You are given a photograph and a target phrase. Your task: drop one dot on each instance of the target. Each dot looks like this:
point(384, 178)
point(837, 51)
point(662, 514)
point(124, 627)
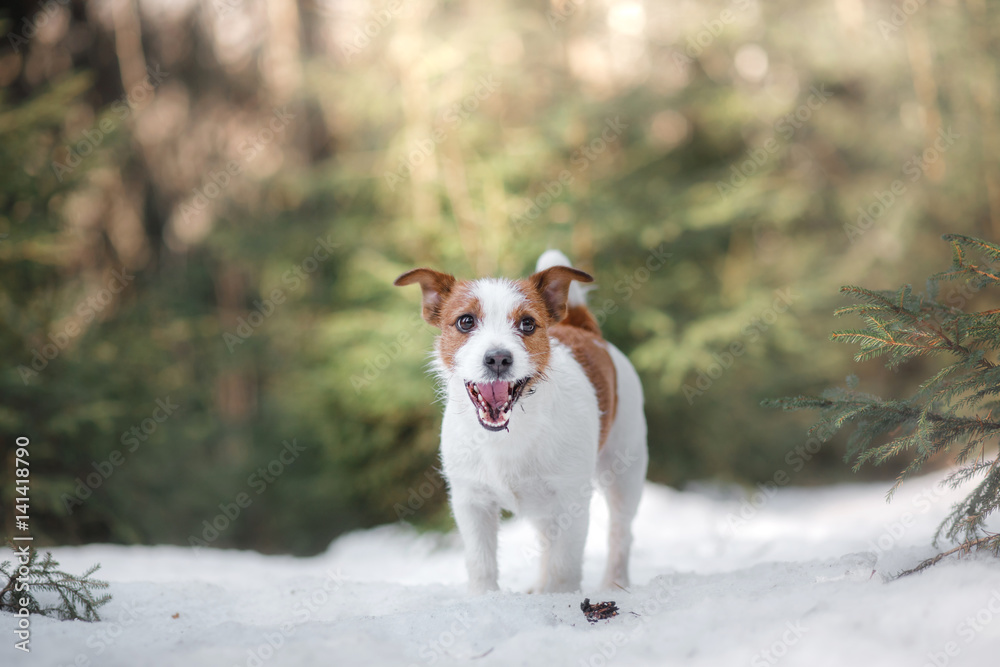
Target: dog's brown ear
point(435, 287)
point(553, 286)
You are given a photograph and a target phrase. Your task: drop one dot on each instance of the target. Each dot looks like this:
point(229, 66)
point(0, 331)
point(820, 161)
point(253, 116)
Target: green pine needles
point(77, 597)
point(952, 411)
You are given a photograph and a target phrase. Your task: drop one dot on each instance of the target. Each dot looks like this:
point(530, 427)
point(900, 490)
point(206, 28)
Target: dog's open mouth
point(494, 401)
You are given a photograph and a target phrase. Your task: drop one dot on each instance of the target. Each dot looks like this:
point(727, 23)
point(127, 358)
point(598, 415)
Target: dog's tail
point(550, 258)
point(576, 312)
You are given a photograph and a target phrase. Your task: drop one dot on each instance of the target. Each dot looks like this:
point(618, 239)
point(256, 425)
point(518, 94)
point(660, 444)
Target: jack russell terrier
point(532, 344)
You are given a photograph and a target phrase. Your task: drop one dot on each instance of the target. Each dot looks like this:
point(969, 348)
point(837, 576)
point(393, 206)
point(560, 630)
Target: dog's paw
point(555, 586)
point(539, 587)
point(482, 587)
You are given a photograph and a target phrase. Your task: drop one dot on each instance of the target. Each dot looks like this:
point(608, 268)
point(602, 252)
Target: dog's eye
point(465, 323)
point(527, 325)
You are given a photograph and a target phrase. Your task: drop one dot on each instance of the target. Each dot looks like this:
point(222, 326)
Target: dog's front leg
point(565, 535)
point(478, 521)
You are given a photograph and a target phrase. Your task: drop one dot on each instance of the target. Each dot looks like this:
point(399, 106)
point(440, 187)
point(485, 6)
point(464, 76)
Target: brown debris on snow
point(599, 611)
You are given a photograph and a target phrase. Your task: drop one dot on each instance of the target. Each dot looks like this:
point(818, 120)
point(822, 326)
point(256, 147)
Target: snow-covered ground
point(803, 579)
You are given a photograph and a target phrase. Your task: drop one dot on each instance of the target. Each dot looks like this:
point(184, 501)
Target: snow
point(803, 578)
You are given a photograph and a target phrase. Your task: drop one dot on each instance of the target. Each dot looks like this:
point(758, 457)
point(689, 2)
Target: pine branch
point(11, 582)
point(76, 593)
point(989, 542)
point(952, 411)
point(962, 475)
point(878, 301)
point(896, 409)
point(958, 240)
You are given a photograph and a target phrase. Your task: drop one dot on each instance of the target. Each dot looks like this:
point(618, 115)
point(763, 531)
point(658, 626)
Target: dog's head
point(494, 334)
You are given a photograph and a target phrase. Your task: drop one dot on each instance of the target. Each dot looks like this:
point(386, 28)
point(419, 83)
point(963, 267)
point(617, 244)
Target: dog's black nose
point(498, 361)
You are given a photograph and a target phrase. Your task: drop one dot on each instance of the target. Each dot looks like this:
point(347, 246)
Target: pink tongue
point(494, 393)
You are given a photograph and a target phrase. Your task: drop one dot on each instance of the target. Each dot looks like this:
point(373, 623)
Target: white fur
point(495, 330)
point(544, 467)
point(621, 468)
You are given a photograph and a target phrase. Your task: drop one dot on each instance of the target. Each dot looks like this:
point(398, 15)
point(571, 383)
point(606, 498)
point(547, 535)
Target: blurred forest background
point(203, 206)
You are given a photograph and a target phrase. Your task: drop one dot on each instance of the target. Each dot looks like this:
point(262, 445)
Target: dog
point(538, 407)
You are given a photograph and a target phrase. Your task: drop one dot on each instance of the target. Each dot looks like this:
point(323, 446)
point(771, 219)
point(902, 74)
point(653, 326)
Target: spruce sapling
point(951, 411)
point(77, 597)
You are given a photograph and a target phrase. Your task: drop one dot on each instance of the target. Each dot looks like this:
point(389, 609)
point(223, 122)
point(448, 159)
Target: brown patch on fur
point(590, 352)
point(580, 317)
point(547, 291)
point(537, 343)
point(460, 301)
